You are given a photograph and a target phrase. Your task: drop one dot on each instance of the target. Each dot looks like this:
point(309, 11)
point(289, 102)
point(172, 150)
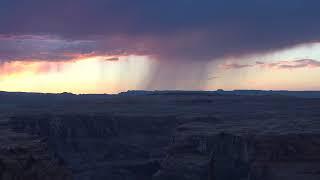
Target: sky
point(109, 46)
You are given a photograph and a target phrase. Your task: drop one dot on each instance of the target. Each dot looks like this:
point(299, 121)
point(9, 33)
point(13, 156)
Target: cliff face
point(108, 147)
point(162, 137)
point(204, 154)
point(103, 146)
point(23, 157)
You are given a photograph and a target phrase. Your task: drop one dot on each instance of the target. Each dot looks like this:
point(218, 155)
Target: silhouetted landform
point(160, 135)
point(24, 157)
point(304, 94)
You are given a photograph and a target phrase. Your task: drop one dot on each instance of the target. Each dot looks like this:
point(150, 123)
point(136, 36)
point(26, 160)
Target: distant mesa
point(67, 94)
point(302, 94)
point(136, 92)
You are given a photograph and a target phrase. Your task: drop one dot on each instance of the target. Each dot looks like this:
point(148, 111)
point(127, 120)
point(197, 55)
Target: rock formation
point(26, 158)
point(170, 136)
point(200, 154)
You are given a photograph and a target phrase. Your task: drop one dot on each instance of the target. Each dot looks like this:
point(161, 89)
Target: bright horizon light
point(102, 74)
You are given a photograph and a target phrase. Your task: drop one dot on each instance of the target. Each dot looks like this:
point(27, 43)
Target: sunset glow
point(113, 46)
point(103, 74)
point(91, 75)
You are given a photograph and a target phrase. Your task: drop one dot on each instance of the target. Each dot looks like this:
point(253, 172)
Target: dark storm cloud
point(30, 47)
point(167, 29)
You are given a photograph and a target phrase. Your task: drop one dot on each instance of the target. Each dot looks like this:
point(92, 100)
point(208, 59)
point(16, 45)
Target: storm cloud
point(169, 30)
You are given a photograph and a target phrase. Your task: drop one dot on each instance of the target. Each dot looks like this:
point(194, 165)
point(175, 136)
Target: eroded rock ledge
point(197, 153)
point(23, 157)
point(103, 146)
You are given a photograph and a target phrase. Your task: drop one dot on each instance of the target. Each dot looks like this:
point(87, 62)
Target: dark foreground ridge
point(160, 135)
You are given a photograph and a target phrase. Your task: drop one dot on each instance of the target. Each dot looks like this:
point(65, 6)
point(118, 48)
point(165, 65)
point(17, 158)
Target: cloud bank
point(232, 65)
point(182, 36)
point(296, 64)
point(170, 30)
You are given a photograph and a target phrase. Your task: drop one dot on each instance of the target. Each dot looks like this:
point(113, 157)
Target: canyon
point(169, 135)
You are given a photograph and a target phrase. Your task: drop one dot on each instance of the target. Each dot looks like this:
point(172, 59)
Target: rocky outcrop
point(134, 148)
point(102, 146)
point(199, 154)
point(285, 157)
point(142, 148)
point(168, 136)
point(25, 158)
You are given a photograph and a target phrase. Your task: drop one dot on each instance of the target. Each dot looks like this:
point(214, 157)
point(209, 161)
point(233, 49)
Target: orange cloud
point(113, 59)
point(18, 67)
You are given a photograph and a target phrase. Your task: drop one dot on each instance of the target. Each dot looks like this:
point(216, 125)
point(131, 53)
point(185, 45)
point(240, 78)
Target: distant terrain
point(161, 135)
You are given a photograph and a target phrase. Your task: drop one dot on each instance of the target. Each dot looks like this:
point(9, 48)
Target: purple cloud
point(168, 30)
point(296, 64)
point(233, 65)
